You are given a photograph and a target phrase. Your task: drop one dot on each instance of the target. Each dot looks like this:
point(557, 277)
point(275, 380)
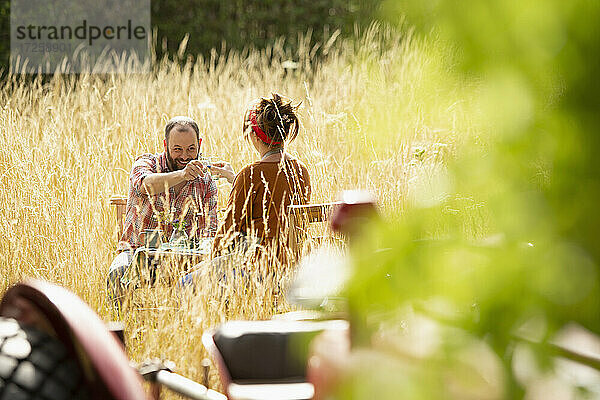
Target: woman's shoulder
point(247, 173)
point(249, 169)
point(297, 163)
point(259, 166)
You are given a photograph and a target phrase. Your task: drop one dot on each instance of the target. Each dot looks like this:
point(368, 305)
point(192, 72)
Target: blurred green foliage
point(537, 174)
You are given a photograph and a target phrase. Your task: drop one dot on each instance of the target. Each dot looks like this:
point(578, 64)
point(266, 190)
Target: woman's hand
point(223, 169)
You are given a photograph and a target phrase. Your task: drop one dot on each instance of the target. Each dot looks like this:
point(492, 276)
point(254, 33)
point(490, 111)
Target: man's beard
point(174, 164)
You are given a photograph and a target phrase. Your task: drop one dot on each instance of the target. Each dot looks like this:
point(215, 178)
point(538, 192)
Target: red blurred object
point(99, 353)
point(356, 208)
point(330, 354)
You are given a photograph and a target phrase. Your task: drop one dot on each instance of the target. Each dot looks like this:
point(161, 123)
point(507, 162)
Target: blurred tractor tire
point(34, 365)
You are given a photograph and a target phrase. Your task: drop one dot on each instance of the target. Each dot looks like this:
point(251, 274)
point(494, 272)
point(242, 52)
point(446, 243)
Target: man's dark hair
point(181, 124)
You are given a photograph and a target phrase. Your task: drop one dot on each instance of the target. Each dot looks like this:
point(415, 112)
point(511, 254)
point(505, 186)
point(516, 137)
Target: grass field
point(372, 118)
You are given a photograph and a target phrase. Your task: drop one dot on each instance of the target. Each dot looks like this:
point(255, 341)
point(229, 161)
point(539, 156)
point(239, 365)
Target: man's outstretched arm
point(159, 182)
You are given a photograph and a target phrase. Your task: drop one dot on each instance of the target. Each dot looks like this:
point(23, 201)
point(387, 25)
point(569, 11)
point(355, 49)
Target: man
point(166, 189)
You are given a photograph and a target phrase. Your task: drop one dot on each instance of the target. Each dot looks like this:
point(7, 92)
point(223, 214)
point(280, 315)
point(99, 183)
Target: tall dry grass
point(67, 145)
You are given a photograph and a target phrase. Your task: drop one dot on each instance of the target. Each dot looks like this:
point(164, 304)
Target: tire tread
point(46, 372)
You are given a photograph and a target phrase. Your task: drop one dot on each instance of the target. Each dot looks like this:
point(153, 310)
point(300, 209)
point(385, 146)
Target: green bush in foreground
point(537, 178)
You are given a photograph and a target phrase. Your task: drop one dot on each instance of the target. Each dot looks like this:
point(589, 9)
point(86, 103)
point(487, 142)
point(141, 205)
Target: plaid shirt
point(196, 200)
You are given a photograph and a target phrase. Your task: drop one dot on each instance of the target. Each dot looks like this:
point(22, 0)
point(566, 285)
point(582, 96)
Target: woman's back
point(261, 194)
point(262, 191)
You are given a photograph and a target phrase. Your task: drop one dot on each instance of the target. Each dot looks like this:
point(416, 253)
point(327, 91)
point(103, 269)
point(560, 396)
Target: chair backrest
point(119, 202)
point(299, 218)
point(265, 359)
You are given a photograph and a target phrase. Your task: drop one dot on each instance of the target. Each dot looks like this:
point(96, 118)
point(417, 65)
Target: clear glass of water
point(207, 163)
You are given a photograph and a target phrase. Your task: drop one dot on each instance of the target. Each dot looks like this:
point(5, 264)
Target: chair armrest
point(312, 212)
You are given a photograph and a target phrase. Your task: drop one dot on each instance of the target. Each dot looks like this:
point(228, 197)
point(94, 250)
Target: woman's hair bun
point(277, 118)
point(270, 113)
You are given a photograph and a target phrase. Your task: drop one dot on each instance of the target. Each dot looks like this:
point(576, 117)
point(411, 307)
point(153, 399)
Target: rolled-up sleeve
point(143, 166)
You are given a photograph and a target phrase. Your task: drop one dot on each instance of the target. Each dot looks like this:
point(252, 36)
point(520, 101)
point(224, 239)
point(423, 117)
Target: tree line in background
point(238, 23)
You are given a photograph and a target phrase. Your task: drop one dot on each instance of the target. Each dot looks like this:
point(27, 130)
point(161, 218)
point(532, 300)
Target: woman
point(263, 190)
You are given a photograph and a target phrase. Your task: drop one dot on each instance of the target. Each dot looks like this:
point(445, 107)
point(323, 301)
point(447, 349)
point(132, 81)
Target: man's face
point(182, 147)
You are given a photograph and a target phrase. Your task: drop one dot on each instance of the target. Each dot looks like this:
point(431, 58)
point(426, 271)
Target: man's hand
point(193, 169)
point(160, 181)
point(223, 169)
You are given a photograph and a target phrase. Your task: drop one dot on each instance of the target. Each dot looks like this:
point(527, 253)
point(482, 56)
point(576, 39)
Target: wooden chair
point(299, 219)
point(119, 202)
